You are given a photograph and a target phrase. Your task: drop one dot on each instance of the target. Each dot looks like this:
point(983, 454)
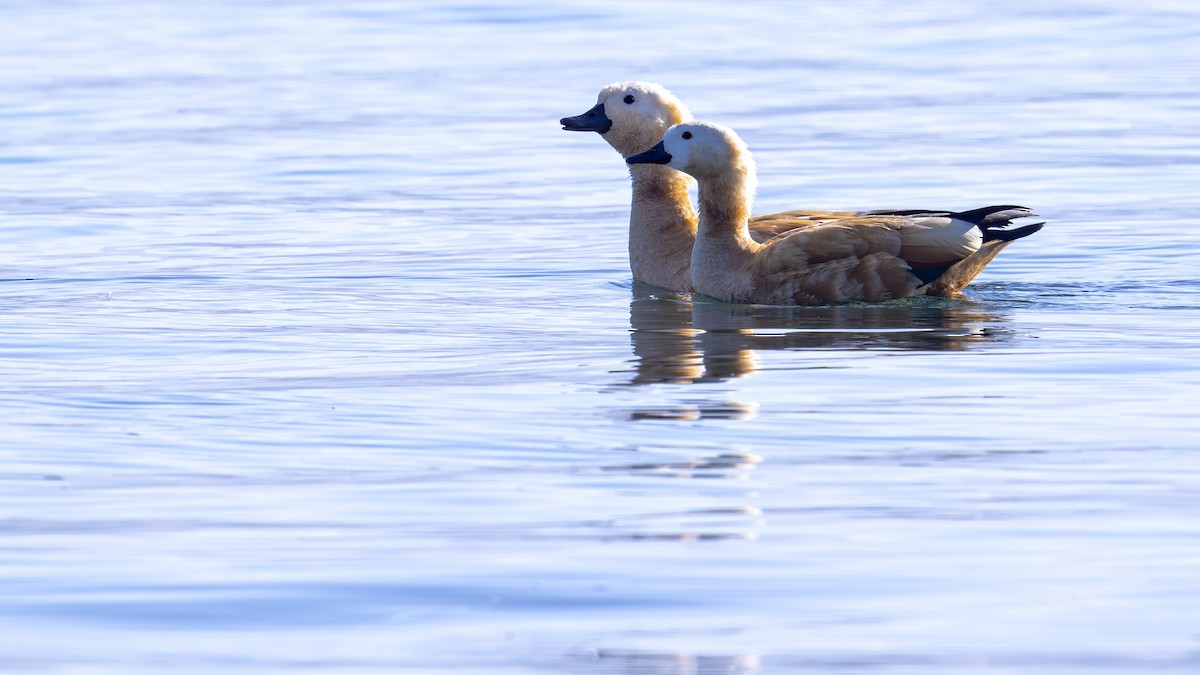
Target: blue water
point(319, 350)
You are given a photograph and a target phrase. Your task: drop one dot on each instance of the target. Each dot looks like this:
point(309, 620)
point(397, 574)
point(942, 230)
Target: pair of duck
point(801, 257)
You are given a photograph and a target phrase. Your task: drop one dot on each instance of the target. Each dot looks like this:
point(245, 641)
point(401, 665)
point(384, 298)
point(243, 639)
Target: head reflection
point(681, 341)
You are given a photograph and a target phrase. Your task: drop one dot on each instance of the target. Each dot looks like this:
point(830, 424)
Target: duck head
point(702, 150)
point(631, 116)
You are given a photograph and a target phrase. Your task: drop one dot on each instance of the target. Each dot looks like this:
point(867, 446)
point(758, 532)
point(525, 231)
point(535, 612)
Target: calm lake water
point(319, 351)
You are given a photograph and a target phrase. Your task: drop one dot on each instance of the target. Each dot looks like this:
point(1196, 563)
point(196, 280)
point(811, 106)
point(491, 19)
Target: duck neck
point(725, 203)
point(662, 228)
point(723, 240)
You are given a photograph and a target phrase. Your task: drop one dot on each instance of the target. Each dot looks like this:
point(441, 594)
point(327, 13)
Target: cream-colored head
point(631, 116)
point(706, 151)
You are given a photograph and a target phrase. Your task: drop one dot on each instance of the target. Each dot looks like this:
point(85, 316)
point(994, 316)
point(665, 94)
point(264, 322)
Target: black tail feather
point(1012, 234)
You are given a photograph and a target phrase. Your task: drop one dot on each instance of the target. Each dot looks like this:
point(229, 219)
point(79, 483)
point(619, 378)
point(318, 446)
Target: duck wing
point(770, 225)
point(849, 259)
point(992, 221)
point(837, 256)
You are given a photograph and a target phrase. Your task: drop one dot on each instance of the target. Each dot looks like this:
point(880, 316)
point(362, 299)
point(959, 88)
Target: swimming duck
point(633, 116)
point(868, 257)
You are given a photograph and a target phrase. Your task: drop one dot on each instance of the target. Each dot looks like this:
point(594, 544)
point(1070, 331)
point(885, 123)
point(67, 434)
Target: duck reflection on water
point(680, 340)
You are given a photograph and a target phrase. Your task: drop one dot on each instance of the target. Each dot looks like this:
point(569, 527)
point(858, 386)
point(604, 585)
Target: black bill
point(592, 120)
point(656, 155)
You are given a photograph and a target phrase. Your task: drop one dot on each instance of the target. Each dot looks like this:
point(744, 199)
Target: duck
point(868, 257)
point(632, 116)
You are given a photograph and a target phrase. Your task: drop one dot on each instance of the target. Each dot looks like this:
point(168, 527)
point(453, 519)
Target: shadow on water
point(678, 340)
point(635, 662)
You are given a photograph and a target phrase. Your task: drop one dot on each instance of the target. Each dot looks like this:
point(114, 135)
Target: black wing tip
point(987, 216)
point(994, 215)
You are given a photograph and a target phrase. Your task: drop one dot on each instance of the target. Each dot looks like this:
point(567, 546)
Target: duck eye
point(629, 99)
point(687, 135)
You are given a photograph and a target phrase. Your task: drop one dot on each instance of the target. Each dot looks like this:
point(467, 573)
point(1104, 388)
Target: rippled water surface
point(319, 350)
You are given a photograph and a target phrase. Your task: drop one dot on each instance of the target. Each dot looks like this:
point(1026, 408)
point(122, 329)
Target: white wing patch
point(938, 240)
